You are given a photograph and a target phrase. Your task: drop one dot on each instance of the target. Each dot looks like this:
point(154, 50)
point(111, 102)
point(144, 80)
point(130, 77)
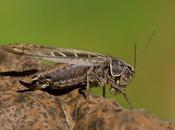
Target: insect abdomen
point(67, 75)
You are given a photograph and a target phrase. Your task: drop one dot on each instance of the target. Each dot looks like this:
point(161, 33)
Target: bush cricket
point(82, 68)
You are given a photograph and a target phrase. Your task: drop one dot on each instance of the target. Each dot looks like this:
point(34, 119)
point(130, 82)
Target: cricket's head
point(121, 74)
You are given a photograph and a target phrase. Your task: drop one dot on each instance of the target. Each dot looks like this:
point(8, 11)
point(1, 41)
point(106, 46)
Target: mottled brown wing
point(60, 55)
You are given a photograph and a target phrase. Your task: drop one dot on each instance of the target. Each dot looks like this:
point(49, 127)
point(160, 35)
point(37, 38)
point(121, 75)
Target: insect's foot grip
point(104, 92)
point(84, 92)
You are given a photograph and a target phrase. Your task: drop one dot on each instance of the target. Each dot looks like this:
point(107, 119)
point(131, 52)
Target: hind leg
point(37, 83)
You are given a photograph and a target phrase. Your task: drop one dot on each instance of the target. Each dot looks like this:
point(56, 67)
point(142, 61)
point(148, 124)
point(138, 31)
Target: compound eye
point(117, 67)
point(128, 73)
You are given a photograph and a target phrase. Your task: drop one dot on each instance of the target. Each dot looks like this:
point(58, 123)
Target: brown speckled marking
point(40, 110)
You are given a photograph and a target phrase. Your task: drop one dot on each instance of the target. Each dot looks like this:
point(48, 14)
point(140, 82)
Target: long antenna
point(146, 45)
point(148, 41)
point(135, 56)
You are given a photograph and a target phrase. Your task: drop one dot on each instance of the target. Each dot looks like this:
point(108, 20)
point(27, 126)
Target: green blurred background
point(111, 27)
